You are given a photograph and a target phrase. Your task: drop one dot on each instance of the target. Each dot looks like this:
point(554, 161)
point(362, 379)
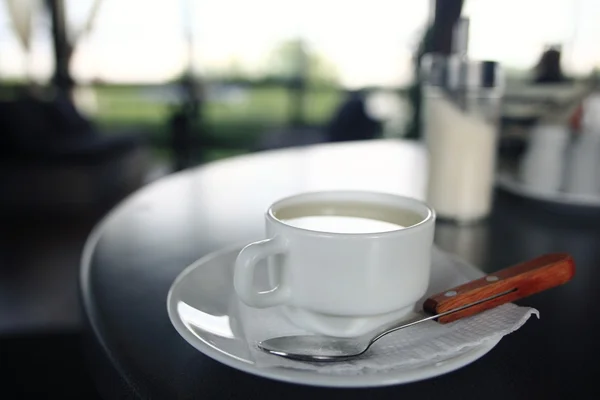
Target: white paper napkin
point(409, 348)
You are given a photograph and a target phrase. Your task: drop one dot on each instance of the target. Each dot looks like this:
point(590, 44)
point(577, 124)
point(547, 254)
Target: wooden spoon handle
point(515, 282)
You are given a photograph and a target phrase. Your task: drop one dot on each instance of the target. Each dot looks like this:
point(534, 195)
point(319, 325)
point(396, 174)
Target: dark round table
point(134, 255)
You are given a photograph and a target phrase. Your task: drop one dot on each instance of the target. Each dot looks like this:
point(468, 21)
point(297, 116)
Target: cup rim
point(408, 201)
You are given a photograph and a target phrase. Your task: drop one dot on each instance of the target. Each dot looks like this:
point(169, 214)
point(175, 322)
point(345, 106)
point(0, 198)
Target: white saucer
point(202, 306)
point(509, 182)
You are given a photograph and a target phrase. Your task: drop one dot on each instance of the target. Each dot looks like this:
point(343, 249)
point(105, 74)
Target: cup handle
point(243, 277)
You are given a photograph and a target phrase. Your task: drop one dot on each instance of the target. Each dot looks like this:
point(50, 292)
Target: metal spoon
point(504, 286)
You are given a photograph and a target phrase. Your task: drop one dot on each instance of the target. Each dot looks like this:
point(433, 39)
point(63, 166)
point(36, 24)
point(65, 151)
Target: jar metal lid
point(456, 72)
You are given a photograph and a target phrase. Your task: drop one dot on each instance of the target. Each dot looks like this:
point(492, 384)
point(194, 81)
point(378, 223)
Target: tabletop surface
point(133, 256)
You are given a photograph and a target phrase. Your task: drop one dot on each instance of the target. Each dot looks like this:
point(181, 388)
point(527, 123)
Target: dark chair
point(53, 158)
point(352, 122)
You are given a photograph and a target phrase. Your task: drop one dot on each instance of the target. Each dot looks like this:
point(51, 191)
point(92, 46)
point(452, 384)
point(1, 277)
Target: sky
point(369, 42)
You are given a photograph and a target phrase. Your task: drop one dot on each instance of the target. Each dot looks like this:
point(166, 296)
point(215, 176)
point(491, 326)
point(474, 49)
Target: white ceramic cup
point(341, 284)
point(543, 163)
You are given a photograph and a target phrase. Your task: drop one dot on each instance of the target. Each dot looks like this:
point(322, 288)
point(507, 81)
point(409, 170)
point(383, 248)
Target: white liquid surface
point(340, 224)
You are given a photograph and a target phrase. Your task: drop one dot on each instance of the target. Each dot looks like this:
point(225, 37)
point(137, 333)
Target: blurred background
point(101, 97)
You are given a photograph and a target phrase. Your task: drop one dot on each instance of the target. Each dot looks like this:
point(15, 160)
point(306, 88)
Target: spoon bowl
point(315, 348)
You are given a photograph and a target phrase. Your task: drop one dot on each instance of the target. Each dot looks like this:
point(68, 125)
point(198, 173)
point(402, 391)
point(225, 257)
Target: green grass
point(236, 124)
